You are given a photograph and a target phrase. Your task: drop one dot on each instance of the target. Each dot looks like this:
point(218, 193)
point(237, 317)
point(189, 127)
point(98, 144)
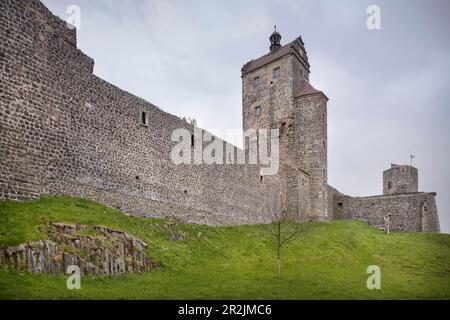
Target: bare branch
point(285, 225)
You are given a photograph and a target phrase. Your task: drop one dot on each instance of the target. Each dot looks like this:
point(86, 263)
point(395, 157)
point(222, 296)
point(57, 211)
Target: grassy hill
point(328, 261)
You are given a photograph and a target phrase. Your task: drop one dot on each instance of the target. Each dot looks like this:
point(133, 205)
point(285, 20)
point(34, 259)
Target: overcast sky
point(388, 89)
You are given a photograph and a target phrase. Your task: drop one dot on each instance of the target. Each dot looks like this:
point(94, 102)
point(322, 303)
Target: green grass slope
point(328, 261)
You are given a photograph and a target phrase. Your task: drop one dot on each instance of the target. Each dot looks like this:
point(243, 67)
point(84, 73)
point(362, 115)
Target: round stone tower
point(400, 179)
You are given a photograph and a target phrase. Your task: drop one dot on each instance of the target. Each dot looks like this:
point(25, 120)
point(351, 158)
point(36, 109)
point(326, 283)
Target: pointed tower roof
point(275, 40)
point(305, 88)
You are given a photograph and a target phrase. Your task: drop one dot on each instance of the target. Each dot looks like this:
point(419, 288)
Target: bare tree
point(285, 227)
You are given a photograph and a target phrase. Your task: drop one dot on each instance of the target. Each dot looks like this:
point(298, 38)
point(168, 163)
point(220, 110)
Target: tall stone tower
point(400, 179)
point(276, 93)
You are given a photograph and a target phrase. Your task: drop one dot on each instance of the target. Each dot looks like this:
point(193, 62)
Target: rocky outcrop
point(95, 250)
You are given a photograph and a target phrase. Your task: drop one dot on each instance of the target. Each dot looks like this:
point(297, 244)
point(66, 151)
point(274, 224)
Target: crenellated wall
point(400, 179)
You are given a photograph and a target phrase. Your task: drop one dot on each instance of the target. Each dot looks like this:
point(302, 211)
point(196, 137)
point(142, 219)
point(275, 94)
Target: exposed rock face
point(108, 252)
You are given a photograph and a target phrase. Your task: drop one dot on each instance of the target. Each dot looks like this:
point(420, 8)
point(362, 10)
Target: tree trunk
point(279, 253)
point(278, 264)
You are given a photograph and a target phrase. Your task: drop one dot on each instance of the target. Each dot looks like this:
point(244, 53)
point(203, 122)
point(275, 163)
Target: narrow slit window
point(144, 118)
point(258, 111)
point(283, 128)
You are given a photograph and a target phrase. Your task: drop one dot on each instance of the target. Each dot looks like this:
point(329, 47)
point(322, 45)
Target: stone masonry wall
point(274, 95)
point(302, 125)
point(311, 141)
point(400, 179)
point(65, 131)
point(410, 212)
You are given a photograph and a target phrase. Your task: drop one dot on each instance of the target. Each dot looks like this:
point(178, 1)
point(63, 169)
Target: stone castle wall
point(65, 131)
point(311, 141)
point(409, 212)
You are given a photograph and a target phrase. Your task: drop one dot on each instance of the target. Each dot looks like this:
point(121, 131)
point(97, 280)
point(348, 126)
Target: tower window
point(192, 140)
point(256, 81)
point(144, 118)
point(389, 185)
point(258, 111)
point(301, 74)
point(276, 72)
point(260, 178)
point(283, 128)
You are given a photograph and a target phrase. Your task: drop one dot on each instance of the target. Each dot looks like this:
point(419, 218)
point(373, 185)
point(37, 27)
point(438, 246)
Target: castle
point(64, 131)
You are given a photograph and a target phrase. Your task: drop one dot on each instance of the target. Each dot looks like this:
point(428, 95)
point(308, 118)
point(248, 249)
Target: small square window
point(144, 118)
point(256, 81)
point(276, 72)
point(258, 111)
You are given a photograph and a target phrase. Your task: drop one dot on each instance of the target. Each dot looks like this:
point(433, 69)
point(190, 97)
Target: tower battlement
point(400, 179)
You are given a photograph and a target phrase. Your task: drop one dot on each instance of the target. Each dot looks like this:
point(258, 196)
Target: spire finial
point(275, 40)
